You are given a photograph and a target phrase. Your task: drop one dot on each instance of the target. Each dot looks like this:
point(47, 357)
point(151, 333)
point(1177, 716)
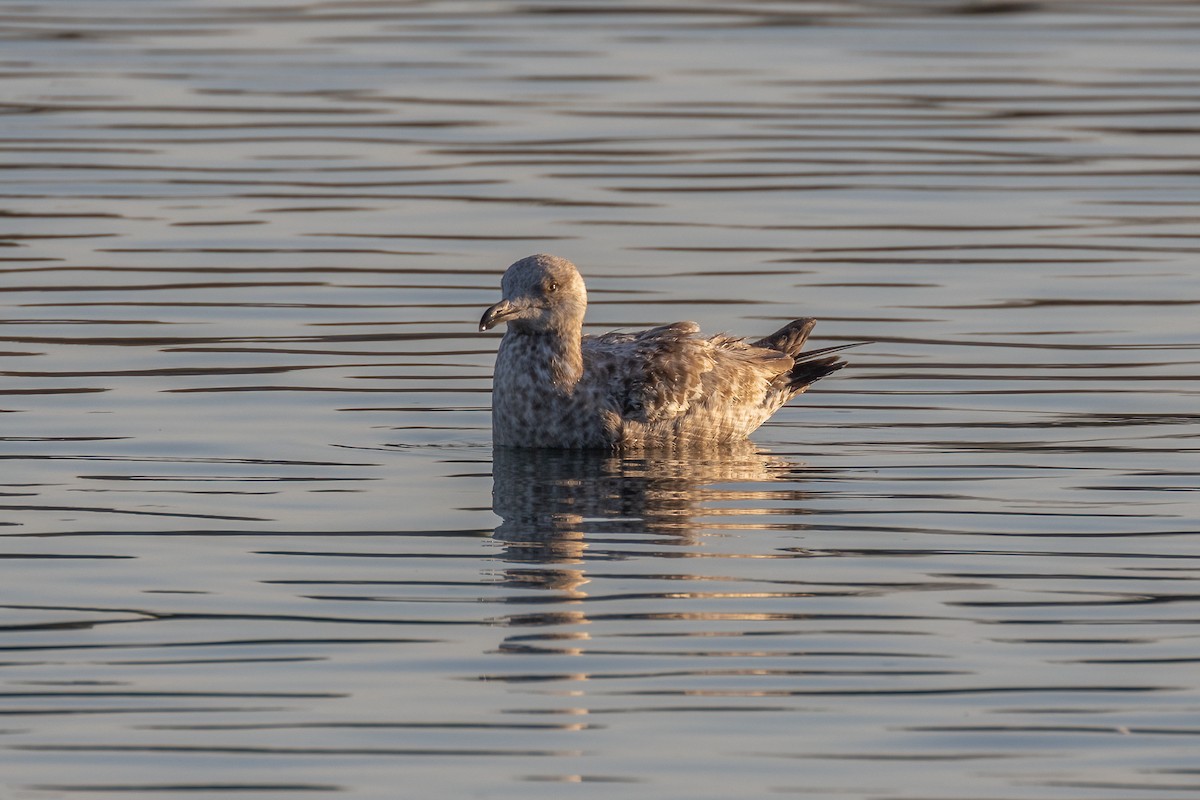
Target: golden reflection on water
point(553, 494)
point(554, 505)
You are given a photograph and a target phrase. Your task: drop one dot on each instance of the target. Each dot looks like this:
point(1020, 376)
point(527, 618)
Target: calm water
point(256, 541)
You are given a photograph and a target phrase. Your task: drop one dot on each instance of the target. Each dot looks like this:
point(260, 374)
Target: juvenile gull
point(555, 387)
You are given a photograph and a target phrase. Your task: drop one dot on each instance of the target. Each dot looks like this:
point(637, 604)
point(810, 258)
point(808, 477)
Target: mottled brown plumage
point(554, 387)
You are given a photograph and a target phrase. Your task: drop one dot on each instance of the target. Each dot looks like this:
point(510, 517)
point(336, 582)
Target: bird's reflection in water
point(556, 504)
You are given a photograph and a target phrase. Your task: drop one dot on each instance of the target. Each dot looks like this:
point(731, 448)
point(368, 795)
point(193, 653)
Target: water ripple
point(251, 515)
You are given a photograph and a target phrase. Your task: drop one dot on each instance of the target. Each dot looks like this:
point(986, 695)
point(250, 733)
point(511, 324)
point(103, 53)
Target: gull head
point(541, 294)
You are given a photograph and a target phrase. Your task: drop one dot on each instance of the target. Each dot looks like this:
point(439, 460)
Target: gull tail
point(809, 367)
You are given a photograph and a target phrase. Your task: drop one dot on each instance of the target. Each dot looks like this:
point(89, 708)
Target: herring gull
point(553, 387)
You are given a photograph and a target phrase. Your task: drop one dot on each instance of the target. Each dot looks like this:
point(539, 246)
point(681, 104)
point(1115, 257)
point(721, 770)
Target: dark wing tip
point(810, 367)
point(825, 351)
point(806, 373)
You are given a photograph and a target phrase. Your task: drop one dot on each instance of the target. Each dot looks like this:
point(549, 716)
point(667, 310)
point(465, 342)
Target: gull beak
point(498, 313)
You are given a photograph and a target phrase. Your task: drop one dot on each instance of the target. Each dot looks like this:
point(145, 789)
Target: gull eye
point(551, 287)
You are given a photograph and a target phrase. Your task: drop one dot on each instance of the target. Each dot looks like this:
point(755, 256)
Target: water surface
point(255, 538)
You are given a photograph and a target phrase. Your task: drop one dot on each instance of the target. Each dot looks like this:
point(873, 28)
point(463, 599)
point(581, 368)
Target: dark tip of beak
point(497, 314)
